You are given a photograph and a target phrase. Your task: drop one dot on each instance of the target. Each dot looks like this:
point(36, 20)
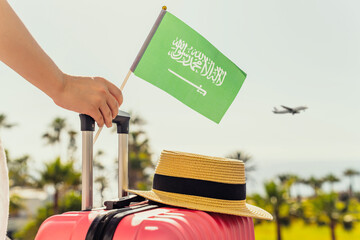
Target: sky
point(294, 53)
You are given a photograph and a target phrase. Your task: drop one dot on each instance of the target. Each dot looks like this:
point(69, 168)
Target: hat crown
point(203, 183)
point(195, 166)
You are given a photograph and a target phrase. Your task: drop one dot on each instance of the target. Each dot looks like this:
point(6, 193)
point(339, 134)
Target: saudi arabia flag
point(178, 60)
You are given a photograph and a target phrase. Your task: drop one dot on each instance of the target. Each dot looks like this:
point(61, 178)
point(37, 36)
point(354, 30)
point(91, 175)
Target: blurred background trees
point(330, 209)
point(139, 155)
point(100, 174)
point(282, 196)
point(60, 178)
point(351, 174)
point(4, 124)
point(250, 166)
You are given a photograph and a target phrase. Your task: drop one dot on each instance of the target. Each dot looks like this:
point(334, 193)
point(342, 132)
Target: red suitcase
point(160, 224)
point(142, 220)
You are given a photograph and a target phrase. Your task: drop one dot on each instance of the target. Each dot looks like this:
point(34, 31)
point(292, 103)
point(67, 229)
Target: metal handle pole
point(87, 170)
point(122, 165)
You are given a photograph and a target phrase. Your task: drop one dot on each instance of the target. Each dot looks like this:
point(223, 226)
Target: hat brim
point(239, 208)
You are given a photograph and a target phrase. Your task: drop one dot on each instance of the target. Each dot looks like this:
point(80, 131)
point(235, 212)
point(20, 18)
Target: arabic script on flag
point(197, 61)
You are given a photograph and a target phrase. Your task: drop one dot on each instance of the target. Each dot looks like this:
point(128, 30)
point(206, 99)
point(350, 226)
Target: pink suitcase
point(130, 217)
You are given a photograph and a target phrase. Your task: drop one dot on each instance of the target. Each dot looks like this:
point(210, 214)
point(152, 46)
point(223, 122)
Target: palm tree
point(276, 198)
point(284, 178)
point(16, 204)
point(331, 178)
point(326, 207)
point(351, 173)
point(103, 184)
point(315, 184)
point(136, 120)
point(100, 179)
point(19, 171)
point(247, 159)
point(139, 154)
point(4, 123)
point(59, 175)
point(139, 159)
point(297, 181)
point(97, 163)
point(54, 133)
point(72, 147)
point(287, 180)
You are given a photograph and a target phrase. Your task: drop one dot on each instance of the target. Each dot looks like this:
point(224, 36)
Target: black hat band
point(202, 188)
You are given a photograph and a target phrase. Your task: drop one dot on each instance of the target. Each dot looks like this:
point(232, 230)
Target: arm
point(96, 97)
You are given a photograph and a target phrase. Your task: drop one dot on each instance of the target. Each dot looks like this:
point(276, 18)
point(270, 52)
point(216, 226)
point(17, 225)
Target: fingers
point(107, 103)
point(107, 114)
point(113, 105)
point(98, 117)
point(103, 115)
point(116, 92)
point(94, 96)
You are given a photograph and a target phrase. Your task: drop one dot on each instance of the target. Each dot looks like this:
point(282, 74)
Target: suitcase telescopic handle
point(87, 128)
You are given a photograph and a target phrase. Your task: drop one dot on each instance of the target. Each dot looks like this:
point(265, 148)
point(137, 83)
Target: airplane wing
point(280, 112)
point(287, 108)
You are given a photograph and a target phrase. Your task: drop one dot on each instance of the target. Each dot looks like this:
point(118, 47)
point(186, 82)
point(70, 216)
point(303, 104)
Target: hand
point(95, 97)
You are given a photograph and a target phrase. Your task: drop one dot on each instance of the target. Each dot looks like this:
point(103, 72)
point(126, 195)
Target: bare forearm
point(96, 97)
point(20, 51)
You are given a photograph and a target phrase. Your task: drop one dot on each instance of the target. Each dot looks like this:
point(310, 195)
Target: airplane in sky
point(289, 110)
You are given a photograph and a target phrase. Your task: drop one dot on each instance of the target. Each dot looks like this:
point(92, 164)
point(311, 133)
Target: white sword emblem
point(199, 89)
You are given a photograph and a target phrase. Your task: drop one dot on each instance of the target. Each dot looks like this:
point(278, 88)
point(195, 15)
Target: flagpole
point(121, 88)
point(139, 56)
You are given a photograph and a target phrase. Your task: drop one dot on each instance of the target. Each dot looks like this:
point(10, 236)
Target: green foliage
point(100, 179)
point(354, 209)
point(322, 209)
point(276, 194)
point(139, 155)
point(276, 197)
point(351, 174)
point(331, 178)
point(52, 136)
point(70, 202)
point(4, 123)
point(30, 229)
point(59, 175)
point(326, 207)
point(19, 171)
point(56, 173)
point(16, 204)
point(103, 184)
point(302, 231)
point(63, 177)
point(72, 147)
point(259, 201)
point(140, 158)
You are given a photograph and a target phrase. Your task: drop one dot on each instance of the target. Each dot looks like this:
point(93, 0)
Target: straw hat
point(203, 183)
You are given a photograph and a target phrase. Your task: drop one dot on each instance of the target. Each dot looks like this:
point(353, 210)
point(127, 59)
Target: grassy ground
point(300, 231)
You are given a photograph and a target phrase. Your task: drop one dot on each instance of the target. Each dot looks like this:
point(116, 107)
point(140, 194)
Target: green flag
point(180, 61)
